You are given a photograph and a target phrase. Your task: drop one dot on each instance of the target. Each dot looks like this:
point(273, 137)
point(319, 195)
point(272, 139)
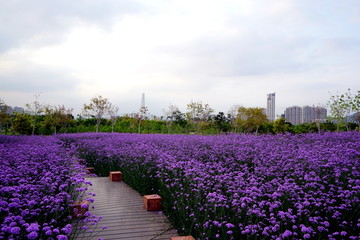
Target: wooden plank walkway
point(123, 213)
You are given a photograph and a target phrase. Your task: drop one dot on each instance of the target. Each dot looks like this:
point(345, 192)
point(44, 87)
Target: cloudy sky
point(218, 52)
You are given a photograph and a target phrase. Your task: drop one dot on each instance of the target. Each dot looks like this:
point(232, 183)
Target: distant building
point(320, 114)
point(143, 109)
point(306, 114)
point(18, 110)
point(12, 110)
point(293, 115)
point(142, 101)
point(270, 106)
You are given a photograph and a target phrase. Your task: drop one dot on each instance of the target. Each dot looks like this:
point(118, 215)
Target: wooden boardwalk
point(123, 213)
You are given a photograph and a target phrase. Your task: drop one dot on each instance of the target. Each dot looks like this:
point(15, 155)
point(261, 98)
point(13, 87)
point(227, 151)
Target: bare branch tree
point(112, 112)
point(35, 109)
point(171, 115)
point(98, 108)
point(319, 115)
point(341, 107)
point(232, 113)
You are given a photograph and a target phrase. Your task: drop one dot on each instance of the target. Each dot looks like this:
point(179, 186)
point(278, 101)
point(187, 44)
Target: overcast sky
point(218, 52)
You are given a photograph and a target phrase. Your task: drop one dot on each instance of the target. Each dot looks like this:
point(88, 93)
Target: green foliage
point(303, 128)
point(155, 126)
point(57, 117)
point(218, 124)
point(22, 124)
point(281, 126)
point(196, 121)
point(328, 126)
point(175, 120)
point(98, 108)
point(222, 122)
point(35, 109)
point(342, 105)
point(126, 124)
point(4, 115)
point(267, 128)
point(197, 111)
point(355, 102)
point(250, 119)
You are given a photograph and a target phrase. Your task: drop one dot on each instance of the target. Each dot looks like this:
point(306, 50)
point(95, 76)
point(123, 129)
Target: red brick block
point(90, 170)
point(81, 161)
point(152, 202)
point(182, 238)
point(80, 208)
point(115, 176)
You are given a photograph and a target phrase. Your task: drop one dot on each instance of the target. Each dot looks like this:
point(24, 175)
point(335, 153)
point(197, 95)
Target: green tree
point(267, 128)
point(23, 123)
point(4, 115)
point(355, 102)
point(342, 105)
point(141, 116)
point(197, 113)
point(222, 122)
point(58, 116)
point(250, 119)
point(173, 115)
point(180, 119)
point(281, 126)
point(98, 108)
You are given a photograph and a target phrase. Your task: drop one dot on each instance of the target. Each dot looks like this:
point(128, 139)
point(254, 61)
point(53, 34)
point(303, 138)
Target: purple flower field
point(213, 187)
point(241, 186)
point(39, 181)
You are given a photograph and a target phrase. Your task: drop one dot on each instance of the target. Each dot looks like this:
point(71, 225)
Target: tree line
point(100, 115)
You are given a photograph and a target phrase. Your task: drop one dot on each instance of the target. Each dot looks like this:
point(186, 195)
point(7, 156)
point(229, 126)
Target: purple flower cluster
point(242, 186)
point(38, 179)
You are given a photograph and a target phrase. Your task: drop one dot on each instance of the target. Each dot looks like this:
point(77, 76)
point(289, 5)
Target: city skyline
point(269, 111)
point(305, 114)
point(219, 52)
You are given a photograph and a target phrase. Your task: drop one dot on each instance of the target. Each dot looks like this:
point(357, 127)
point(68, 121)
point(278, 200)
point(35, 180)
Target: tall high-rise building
point(143, 109)
point(142, 101)
point(270, 106)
